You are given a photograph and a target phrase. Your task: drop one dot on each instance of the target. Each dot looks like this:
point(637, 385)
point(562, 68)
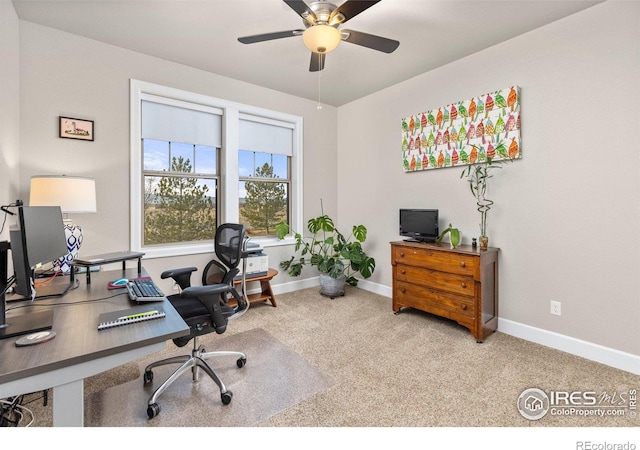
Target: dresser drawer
point(458, 284)
point(429, 258)
point(456, 307)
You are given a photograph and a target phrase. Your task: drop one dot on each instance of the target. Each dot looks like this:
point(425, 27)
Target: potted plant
point(454, 236)
point(478, 176)
point(337, 258)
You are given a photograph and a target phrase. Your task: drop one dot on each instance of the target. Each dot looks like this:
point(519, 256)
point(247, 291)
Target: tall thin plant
point(478, 176)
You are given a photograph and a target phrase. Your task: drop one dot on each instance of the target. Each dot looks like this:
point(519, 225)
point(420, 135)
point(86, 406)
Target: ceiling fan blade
point(300, 7)
point(317, 62)
point(352, 8)
point(369, 40)
point(269, 36)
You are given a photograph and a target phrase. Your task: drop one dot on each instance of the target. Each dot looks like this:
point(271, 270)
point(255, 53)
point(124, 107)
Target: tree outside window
point(264, 198)
point(179, 207)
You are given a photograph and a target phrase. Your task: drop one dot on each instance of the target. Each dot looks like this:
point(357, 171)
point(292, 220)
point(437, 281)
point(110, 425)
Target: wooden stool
point(265, 288)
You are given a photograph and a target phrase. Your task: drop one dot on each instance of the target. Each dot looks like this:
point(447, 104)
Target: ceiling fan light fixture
point(321, 38)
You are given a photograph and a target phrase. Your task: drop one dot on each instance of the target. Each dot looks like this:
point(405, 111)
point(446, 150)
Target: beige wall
point(567, 215)
point(64, 74)
point(9, 109)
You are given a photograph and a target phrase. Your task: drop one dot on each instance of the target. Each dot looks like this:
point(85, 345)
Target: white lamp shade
point(72, 194)
point(321, 38)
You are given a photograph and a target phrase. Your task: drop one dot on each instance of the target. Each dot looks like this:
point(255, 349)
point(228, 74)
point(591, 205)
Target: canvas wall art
point(466, 132)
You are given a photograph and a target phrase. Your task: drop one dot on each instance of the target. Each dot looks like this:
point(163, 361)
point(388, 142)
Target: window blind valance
point(266, 136)
point(176, 124)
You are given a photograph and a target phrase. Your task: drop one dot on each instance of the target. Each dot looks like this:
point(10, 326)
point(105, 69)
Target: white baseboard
point(588, 350)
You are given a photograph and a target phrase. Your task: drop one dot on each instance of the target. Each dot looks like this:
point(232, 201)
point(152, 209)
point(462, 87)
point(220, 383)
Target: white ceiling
point(203, 34)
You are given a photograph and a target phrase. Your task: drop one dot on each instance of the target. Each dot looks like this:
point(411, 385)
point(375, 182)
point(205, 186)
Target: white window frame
point(228, 207)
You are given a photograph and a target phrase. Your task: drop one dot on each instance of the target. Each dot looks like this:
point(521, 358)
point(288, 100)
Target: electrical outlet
point(556, 308)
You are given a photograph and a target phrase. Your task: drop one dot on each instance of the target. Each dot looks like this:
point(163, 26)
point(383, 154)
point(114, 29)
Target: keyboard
point(144, 290)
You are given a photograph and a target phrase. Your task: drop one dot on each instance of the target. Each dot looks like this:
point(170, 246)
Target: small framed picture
point(71, 128)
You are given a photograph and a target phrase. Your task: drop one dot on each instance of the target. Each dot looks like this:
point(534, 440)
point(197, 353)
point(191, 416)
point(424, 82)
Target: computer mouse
point(120, 282)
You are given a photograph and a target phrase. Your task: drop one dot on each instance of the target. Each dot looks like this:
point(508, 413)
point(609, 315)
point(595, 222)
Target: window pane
point(281, 166)
point(206, 161)
point(262, 205)
point(179, 209)
point(245, 163)
point(156, 154)
point(184, 151)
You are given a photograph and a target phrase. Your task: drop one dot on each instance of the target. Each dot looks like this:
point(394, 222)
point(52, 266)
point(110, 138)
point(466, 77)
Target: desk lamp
point(73, 195)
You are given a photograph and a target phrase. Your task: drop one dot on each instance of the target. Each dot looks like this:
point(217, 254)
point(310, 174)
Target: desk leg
point(68, 404)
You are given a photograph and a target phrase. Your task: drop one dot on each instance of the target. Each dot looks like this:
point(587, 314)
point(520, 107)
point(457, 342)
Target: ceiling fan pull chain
point(319, 104)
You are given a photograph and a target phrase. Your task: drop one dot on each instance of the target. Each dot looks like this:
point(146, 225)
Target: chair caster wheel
point(241, 362)
point(153, 410)
point(226, 397)
point(147, 377)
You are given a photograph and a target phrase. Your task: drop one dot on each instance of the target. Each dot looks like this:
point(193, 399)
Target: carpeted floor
point(366, 367)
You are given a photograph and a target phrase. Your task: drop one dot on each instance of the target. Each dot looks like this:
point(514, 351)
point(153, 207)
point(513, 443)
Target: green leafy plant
point(329, 250)
point(454, 236)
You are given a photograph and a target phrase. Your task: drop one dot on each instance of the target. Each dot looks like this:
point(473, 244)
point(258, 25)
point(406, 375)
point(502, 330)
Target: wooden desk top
point(75, 321)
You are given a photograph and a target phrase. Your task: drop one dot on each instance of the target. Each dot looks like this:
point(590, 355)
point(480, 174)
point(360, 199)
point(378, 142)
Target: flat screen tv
point(419, 225)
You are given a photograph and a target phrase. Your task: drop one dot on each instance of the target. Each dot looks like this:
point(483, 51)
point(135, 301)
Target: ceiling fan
point(321, 34)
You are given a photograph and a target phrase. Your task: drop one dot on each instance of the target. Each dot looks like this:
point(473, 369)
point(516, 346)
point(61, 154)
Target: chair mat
point(275, 378)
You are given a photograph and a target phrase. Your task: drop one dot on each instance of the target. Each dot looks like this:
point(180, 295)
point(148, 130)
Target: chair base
point(195, 362)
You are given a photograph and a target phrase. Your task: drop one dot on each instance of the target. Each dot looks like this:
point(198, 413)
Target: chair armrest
point(182, 276)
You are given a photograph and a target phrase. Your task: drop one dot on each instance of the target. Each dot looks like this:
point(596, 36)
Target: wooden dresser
point(460, 284)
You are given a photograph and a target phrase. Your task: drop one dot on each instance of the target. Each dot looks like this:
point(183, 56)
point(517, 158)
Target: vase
point(484, 242)
point(331, 287)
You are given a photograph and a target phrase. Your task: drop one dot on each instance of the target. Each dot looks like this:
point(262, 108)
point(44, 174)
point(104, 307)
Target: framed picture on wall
point(71, 128)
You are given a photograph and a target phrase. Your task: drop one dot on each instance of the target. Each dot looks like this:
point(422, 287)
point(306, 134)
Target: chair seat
point(191, 307)
point(196, 315)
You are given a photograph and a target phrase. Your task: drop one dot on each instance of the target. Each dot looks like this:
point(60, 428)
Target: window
point(264, 154)
point(180, 192)
point(197, 161)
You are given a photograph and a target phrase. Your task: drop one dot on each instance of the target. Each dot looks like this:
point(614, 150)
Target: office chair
point(205, 309)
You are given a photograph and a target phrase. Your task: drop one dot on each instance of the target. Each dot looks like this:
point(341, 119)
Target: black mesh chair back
point(228, 245)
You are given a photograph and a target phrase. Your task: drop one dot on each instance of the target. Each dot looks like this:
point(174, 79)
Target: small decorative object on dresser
point(459, 283)
point(455, 238)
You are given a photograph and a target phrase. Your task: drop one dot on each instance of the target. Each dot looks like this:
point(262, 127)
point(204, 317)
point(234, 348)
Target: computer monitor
point(38, 239)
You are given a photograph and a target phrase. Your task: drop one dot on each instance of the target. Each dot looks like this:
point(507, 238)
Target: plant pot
point(331, 287)
point(484, 242)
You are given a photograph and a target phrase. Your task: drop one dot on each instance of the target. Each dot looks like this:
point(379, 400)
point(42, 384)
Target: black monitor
point(39, 238)
point(419, 225)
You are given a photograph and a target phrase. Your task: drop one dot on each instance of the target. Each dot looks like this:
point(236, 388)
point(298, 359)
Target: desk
point(79, 350)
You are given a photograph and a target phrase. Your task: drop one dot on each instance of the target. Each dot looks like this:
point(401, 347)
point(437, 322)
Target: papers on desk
point(129, 316)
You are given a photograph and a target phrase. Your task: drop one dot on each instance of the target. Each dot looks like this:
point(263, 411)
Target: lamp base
point(73, 234)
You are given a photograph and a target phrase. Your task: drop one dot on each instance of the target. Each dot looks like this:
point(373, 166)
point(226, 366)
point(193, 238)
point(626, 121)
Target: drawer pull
point(464, 307)
point(463, 284)
point(403, 290)
point(401, 254)
point(462, 264)
point(403, 272)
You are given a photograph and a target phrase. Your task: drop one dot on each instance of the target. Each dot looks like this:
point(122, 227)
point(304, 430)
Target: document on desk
point(129, 316)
